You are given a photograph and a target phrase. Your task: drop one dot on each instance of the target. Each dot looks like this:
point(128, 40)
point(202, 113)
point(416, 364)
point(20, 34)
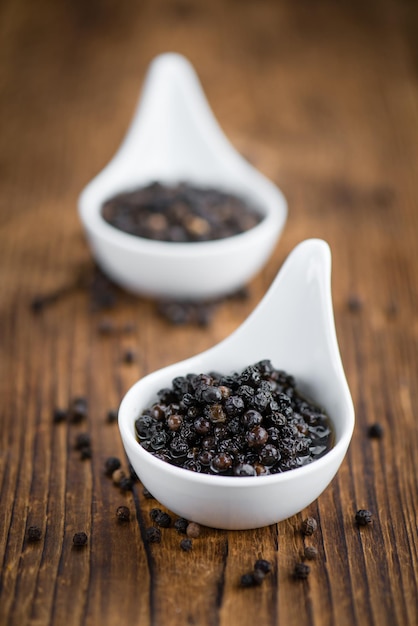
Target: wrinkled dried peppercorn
point(153, 534)
point(34, 533)
point(123, 514)
point(126, 483)
point(80, 539)
point(309, 526)
point(181, 525)
point(160, 518)
point(263, 565)
point(363, 517)
point(186, 545)
point(251, 423)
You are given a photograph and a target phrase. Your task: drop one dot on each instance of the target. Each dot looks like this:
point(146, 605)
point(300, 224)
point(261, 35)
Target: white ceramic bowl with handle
point(174, 137)
point(293, 326)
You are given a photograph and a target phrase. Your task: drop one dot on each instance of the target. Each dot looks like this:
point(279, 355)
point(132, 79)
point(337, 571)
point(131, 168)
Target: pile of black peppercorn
point(250, 423)
point(180, 213)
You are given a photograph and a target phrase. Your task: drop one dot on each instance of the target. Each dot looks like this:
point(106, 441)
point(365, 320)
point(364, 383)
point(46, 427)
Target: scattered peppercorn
point(80, 539)
point(111, 464)
point(301, 570)
point(123, 514)
point(129, 356)
point(82, 441)
point(126, 483)
point(193, 530)
point(248, 580)
point(310, 553)
point(34, 534)
point(186, 545)
point(78, 410)
point(363, 517)
point(59, 415)
point(263, 565)
point(309, 526)
point(153, 534)
point(249, 423)
point(163, 520)
point(160, 517)
point(112, 416)
point(181, 525)
point(375, 431)
point(118, 475)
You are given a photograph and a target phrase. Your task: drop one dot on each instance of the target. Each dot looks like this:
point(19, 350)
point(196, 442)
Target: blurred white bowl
point(173, 138)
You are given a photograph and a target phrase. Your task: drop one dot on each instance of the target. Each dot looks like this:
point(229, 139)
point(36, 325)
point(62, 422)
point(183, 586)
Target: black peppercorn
point(112, 416)
point(153, 534)
point(181, 525)
point(301, 570)
point(363, 517)
point(375, 431)
point(34, 533)
point(82, 441)
point(80, 539)
point(126, 484)
point(78, 410)
point(111, 464)
point(263, 565)
point(161, 518)
point(247, 580)
point(251, 423)
point(123, 514)
point(309, 526)
point(186, 545)
point(59, 415)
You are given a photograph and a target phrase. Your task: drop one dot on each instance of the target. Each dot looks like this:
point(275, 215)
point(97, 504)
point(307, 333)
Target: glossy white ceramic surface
point(175, 137)
point(293, 326)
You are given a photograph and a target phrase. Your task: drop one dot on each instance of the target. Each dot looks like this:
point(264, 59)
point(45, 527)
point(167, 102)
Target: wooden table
point(323, 98)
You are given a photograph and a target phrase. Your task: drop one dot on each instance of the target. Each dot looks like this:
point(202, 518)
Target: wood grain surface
point(323, 98)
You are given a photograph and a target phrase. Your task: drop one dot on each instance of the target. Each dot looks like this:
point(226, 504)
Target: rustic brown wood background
point(323, 98)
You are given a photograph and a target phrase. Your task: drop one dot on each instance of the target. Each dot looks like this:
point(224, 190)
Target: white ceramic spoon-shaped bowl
point(175, 137)
point(293, 326)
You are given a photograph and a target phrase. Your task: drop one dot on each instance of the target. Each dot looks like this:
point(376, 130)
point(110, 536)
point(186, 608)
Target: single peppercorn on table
point(323, 100)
